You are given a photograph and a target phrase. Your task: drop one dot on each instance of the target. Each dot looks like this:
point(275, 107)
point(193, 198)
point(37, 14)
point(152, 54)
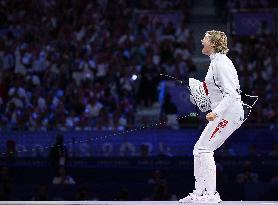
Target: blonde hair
point(218, 39)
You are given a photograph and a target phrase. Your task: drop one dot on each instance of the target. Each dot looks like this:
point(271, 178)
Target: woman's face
point(208, 48)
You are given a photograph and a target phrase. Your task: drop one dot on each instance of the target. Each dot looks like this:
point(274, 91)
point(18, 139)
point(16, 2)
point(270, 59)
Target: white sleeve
point(225, 75)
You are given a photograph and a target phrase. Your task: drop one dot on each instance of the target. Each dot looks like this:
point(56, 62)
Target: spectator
point(169, 111)
point(157, 178)
point(127, 149)
point(144, 150)
point(62, 178)
point(58, 154)
point(11, 148)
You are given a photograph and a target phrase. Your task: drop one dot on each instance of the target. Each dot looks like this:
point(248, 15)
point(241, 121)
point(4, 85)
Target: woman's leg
point(214, 135)
point(199, 178)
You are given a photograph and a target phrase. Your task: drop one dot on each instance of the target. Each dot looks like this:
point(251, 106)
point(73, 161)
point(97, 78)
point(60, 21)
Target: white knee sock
point(209, 171)
point(199, 179)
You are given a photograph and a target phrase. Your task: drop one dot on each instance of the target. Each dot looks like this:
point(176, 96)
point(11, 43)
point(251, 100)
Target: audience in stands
point(69, 66)
point(258, 74)
point(250, 4)
point(71, 69)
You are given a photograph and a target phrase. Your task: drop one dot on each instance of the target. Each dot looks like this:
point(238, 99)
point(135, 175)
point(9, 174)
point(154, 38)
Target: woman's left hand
point(211, 116)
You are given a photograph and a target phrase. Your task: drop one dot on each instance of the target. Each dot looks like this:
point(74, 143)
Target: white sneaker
point(192, 197)
point(210, 198)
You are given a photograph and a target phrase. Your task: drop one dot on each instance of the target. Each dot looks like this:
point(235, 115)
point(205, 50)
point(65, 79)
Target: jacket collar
point(214, 55)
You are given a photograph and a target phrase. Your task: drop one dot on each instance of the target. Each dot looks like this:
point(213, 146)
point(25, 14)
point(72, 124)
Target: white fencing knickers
point(213, 136)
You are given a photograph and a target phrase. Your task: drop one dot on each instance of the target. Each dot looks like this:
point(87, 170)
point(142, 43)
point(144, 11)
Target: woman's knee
point(198, 150)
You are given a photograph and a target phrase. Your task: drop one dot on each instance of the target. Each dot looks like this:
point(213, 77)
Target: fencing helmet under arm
point(198, 95)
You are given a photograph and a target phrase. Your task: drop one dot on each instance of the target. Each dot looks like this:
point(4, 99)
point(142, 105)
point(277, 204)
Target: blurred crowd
point(86, 65)
point(257, 64)
point(255, 58)
point(89, 65)
point(224, 7)
point(249, 4)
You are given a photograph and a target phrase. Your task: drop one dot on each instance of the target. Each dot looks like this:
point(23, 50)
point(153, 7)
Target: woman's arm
point(226, 76)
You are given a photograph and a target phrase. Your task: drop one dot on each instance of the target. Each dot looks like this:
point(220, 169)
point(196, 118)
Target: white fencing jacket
point(221, 83)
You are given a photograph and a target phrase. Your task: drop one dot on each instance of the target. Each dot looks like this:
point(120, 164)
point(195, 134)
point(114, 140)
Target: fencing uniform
point(222, 87)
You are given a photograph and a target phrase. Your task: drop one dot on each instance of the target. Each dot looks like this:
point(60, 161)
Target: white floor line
point(129, 203)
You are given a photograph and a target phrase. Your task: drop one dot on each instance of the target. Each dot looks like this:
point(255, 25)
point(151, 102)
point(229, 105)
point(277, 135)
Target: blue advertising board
point(164, 141)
